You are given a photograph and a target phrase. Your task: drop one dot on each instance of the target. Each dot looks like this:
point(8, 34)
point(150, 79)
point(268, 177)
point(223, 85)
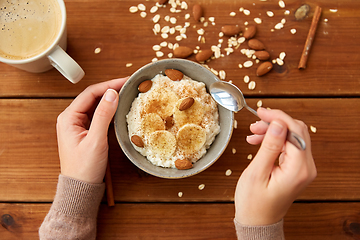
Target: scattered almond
point(186, 103)
point(183, 164)
point(250, 32)
point(174, 74)
point(231, 30)
point(264, 68)
point(135, 139)
point(262, 55)
point(145, 86)
point(204, 55)
point(197, 12)
point(256, 44)
point(182, 52)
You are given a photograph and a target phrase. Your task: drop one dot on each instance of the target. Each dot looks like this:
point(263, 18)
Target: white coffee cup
point(51, 55)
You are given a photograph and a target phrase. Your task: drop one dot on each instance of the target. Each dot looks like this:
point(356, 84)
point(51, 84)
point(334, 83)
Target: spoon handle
point(292, 137)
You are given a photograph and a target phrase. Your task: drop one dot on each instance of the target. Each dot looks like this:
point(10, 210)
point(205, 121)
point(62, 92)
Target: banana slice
point(190, 138)
point(152, 122)
point(162, 143)
point(160, 101)
point(194, 114)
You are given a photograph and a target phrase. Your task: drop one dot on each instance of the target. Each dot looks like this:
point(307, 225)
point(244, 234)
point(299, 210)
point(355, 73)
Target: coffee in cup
point(33, 37)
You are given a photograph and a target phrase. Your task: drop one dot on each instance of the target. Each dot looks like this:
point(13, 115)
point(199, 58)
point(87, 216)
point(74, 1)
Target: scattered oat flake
point(252, 85)
point(326, 20)
point(241, 9)
point(211, 19)
point(313, 129)
point(248, 64)
point(259, 103)
point(97, 50)
point(156, 18)
point(257, 20)
point(180, 194)
point(133, 9)
point(279, 26)
point(293, 30)
point(283, 21)
point(279, 62)
point(250, 156)
point(281, 4)
point(287, 12)
point(141, 7)
point(143, 14)
point(201, 186)
point(154, 9)
point(129, 64)
point(228, 172)
point(333, 10)
point(270, 13)
point(222, 74)
point(246, 12)
point(246, 79)
point(282, 55)
point(233, 151)
point(232, 14)
point(235, 122)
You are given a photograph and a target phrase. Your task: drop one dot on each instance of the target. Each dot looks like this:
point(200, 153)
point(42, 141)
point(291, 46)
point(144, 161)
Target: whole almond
point(182, 52)
point(145, 86)
point(264, 68)
point(161, 2)
point(250, 32)
point(135, 139)
point(186, 103)
point(197, 12)
point(231, 30)
point(204, 55)
point(256, 44)
point(262, 55)
point(174, 74)
point(183, 164)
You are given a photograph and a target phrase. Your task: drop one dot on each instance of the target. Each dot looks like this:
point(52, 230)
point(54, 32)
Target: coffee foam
point(28, 28)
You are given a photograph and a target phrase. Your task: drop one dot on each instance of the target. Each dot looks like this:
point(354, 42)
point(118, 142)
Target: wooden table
point(324, 95)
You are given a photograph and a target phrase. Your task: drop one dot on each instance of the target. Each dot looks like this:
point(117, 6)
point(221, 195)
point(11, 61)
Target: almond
point(264, 68)
point(250, 32)
point(174, 74)
point(135, 139)
point(262, 55)
point(145, 86)
point(204, 55)
point(161, 2)
point(256, 44)
point(182, 52)
point(183, 164)
point(186, 103)
point(231, 30)
point(197, 12)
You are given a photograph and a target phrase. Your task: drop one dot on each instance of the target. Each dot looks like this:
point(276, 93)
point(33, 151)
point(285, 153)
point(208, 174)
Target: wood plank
point(127, 38)
point(29, 163)
point(330, 221)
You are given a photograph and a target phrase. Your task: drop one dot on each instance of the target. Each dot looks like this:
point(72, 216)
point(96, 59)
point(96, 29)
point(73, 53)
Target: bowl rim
point(124, 143)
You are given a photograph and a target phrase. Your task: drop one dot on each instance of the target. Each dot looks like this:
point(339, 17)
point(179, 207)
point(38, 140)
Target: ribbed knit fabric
point(269, 232)
point(74, 210)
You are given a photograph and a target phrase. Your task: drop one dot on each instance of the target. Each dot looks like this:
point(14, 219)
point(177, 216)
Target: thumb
point(103, 115)
point(271, 147)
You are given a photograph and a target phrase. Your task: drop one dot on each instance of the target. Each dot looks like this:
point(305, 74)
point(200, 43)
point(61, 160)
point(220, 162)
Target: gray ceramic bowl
point(130, 91)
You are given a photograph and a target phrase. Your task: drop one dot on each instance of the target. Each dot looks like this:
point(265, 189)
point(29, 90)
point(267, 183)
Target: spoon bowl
point(230, 97)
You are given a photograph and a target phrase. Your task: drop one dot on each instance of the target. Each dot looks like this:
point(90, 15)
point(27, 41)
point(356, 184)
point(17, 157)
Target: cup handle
point(67, 66)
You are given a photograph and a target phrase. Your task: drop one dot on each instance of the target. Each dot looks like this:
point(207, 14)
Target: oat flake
point(97, 50)
point(201, 186)
point(228, 172)
point(180, 194)
point(252, 85)
point(313, 129)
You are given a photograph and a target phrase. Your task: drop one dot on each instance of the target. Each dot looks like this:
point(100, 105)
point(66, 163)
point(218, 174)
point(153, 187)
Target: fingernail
point(276, 128)
point(253, 124)
point(110, 95)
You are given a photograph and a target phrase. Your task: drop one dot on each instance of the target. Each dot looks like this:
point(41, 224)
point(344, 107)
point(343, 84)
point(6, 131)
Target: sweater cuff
point(77, 198)
point(268, 232)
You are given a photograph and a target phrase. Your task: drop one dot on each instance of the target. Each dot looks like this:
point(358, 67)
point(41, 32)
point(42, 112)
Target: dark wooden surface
point(325, 95)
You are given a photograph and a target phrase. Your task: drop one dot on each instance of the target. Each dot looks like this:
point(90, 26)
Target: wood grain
point(123, 37)
point(311, 221)
point(29, 164)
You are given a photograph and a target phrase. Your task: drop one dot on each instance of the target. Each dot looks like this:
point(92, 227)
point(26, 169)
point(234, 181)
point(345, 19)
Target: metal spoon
point(230, 97)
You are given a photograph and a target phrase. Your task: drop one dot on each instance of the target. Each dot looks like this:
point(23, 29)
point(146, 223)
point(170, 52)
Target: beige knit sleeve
point(74, 210)
point(269, 232)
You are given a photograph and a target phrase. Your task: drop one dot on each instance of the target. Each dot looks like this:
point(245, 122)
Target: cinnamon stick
point(109, 187)
point(310, 38)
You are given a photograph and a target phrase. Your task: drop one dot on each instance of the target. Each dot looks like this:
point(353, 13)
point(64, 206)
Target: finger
point(88, 98)
point(255, 139)
point(259, 127)
point(270, 149)
point(103, 115)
